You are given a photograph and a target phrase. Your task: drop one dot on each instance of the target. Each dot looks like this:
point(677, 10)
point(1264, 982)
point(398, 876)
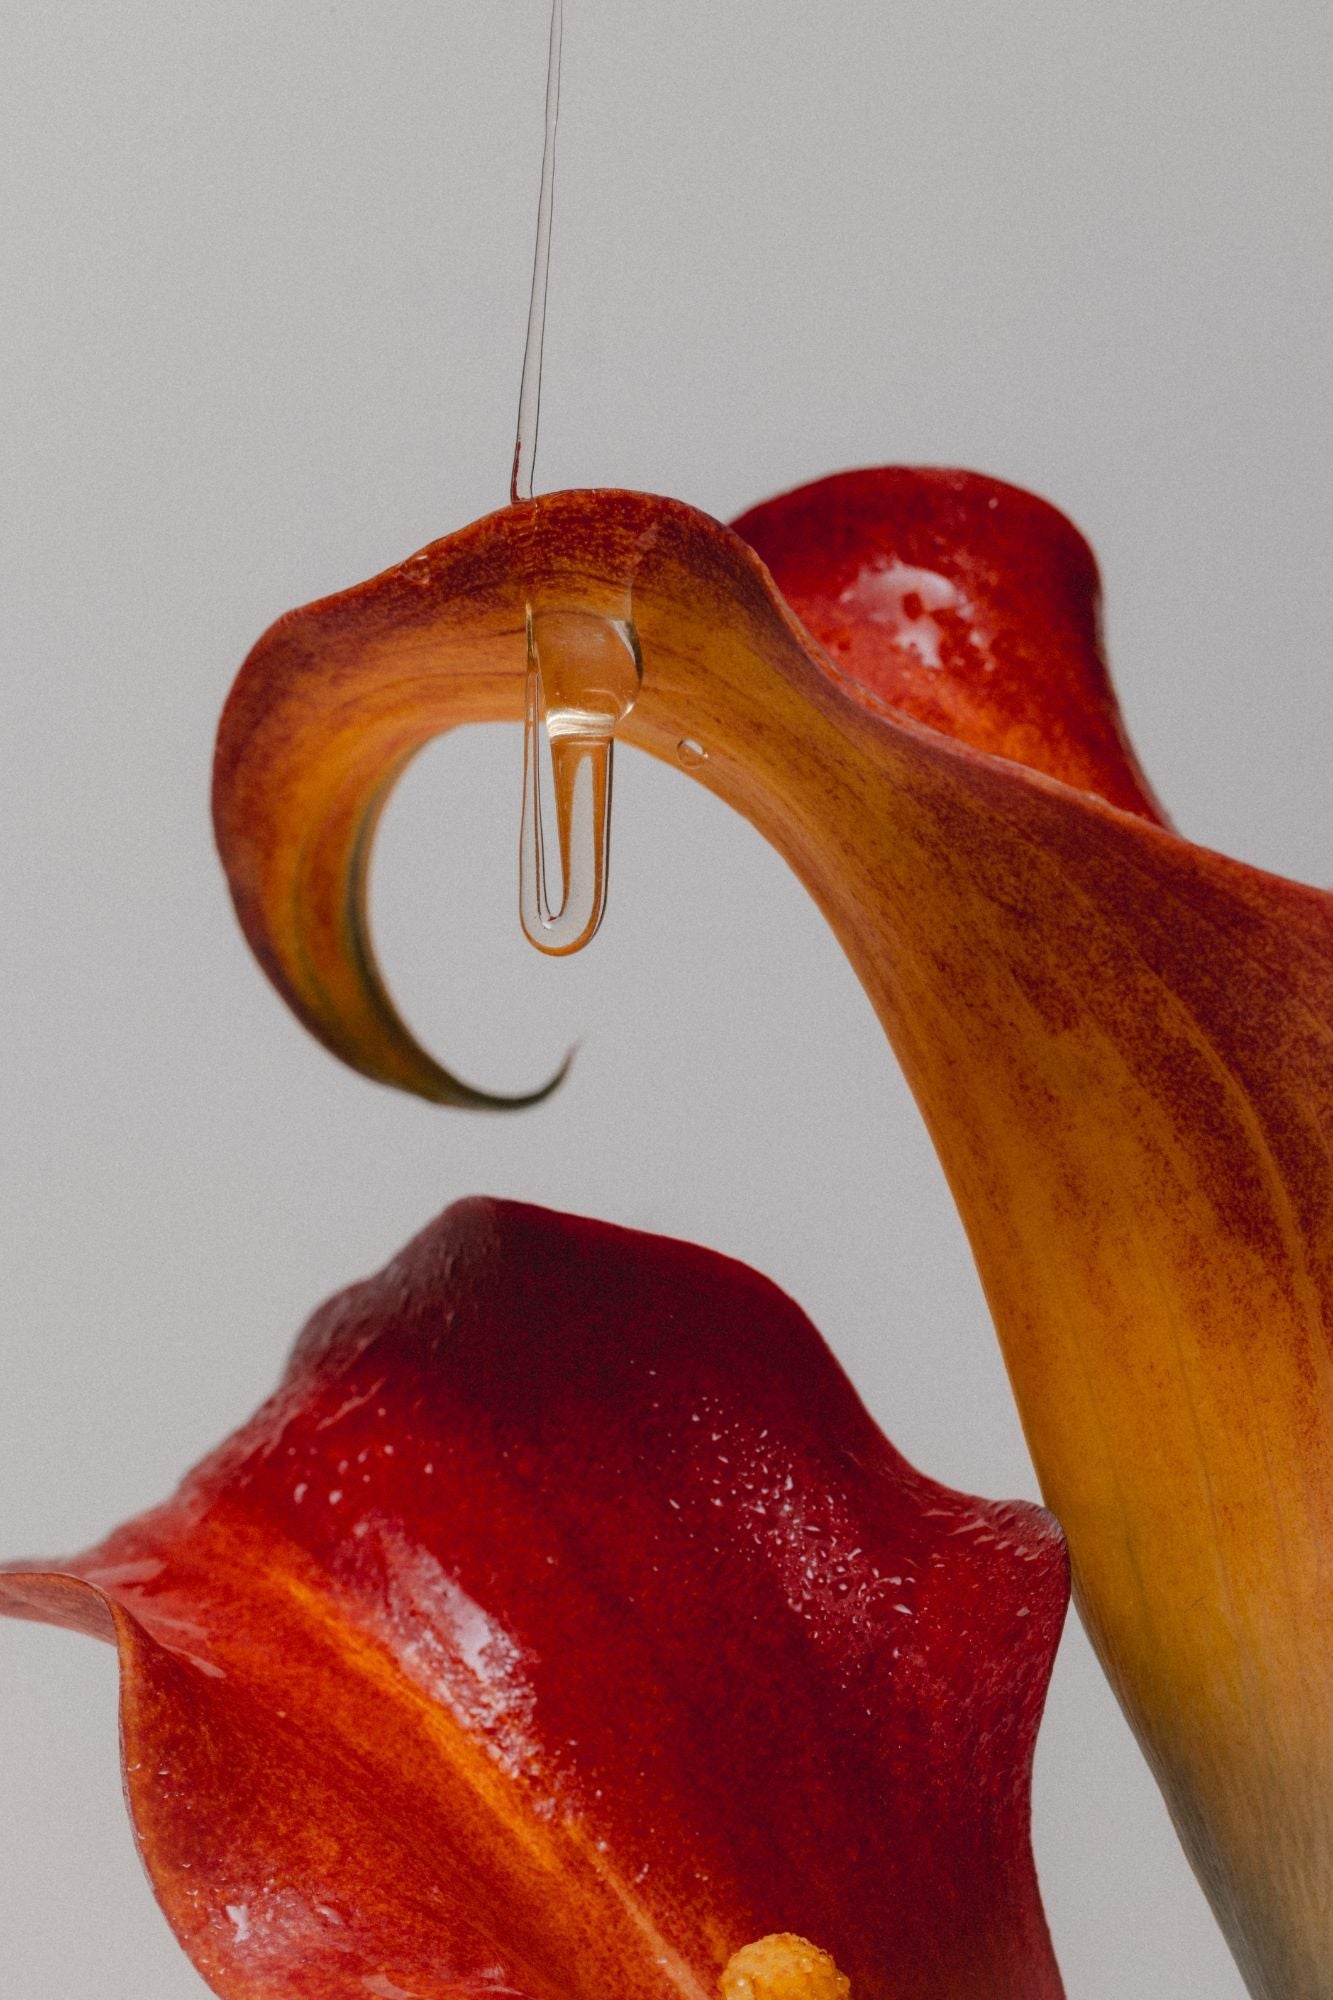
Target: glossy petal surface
point(965, 604)
point(1123, 1044)
point(562, 1625)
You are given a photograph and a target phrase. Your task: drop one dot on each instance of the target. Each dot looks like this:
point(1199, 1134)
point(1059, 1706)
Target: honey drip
point(583, 678)
point(583, 671)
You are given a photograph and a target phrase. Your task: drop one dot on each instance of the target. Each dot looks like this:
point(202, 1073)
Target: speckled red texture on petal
point(969, 605)
point(1121, 1043)
point(563, 1624)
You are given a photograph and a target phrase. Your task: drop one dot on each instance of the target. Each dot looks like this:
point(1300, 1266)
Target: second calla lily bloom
point(1122, 1044)
point(562, 1628)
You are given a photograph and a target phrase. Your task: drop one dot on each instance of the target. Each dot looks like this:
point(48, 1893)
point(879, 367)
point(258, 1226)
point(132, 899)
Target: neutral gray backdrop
point(261, 310)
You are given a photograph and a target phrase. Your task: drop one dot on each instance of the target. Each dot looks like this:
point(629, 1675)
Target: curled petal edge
point(336, 698)
point(1121, 1043)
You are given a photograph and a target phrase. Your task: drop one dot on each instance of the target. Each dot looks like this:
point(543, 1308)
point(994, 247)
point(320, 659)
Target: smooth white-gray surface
point(263, 276)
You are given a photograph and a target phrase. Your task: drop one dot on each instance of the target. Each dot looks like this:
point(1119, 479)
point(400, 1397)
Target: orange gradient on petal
point(1122, 1044)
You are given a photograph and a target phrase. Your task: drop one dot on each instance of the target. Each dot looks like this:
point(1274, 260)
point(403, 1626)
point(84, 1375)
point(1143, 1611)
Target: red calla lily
point(1122, 1044)
point(562, 1626)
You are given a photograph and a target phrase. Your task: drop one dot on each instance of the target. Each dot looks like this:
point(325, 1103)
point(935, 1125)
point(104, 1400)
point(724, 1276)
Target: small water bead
point(690, 753)
point(583, 678)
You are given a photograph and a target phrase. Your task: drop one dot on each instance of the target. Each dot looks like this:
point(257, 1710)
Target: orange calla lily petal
point(563, 1626)
point(1120, 1042)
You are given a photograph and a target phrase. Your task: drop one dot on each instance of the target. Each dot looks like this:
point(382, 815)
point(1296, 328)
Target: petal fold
point(1122, 1043)
point(561, 1626)
point(964, 603)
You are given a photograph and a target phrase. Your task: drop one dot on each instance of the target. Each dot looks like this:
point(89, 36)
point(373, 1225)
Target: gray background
point(261, 309)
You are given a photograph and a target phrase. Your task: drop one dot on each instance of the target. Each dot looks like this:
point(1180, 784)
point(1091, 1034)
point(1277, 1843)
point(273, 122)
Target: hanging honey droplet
point(583, 678)
point(583, 670)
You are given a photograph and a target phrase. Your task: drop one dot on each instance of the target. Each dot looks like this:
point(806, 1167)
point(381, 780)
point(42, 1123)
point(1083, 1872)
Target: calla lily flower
point(564, 1626)
point(1120, 1041)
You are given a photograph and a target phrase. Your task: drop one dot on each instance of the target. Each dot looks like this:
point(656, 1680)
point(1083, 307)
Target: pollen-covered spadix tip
point(782, 1967)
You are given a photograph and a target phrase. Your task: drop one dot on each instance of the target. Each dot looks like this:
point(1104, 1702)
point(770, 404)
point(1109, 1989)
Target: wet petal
point(1121, 1042)
point(563, 1626)
point(961, 602)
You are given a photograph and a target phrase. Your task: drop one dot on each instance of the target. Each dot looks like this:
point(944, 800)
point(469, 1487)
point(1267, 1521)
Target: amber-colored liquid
point(584, 676)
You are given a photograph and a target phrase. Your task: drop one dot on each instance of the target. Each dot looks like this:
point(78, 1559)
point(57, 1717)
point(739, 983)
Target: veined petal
point(562, 1625)
point(1122, 1044)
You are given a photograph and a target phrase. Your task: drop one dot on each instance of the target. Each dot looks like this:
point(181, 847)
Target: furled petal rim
point(1120, 1041)
point(336, 699)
